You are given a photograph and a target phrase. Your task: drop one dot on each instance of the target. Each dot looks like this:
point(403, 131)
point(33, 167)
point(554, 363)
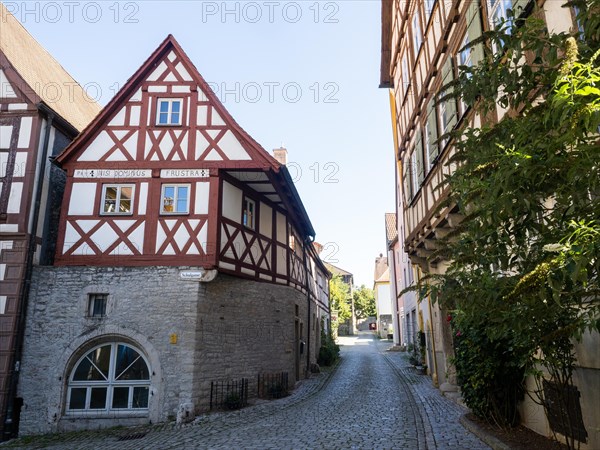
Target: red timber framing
point(20, 125)
point(29, 132)
point(126, 146)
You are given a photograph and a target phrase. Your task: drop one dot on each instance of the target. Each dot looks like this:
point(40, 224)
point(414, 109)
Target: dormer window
point(169, 111)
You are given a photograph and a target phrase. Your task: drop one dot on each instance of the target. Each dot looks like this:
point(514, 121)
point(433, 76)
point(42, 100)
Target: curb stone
point(492, 441)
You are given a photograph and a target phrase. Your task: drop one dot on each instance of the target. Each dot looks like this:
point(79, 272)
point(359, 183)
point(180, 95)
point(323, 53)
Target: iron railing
point(273, 385)
point(229, 394)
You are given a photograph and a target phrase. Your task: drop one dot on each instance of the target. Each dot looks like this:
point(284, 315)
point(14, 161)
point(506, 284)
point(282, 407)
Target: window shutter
point(419, 159)
point(474, 30)
point(413, 176)
point(432, 134)
point(406, 180)
point(447, 77)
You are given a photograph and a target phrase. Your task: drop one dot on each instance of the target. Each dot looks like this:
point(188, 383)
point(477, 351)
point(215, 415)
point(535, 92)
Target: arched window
point(112, 377)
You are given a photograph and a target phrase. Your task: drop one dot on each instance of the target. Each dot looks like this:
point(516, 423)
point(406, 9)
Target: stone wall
point(191, 334)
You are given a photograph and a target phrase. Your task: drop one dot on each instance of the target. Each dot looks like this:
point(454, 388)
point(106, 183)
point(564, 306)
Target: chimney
point(280, 154)
point(318, 247)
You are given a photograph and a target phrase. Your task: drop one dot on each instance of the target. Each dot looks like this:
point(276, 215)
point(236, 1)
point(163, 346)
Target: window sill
point(105, 414)
point(166, 213)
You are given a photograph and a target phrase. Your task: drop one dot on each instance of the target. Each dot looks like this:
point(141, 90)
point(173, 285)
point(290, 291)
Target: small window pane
point(87, 372)
point(98, 398)
point(77, 400)
point(175, 118)
point(101, 358)
point(111, 193)
point(97, 305)
point(126, 193)
point(164, 107)
point(163, 118)
point(120, 397)
point(125, 206)
point(175, 106)
point(125, 357)
point(130, 365)
point(110, 199)
point(140, 397)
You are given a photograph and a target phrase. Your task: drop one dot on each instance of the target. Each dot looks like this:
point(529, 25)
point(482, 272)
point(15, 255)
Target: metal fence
point(229, 394)
point(273, 385)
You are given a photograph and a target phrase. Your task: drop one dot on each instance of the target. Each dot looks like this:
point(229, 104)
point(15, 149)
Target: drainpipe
point(9, 419)
point(307, 242)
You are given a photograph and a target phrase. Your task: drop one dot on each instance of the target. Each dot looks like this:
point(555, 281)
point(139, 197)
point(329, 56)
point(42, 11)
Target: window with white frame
point(168, 111)
point(249, 213)
point(417, 35)
point(498, 12)
point(97, 305)
point(117, 199)
point(175, 199)
point(465, 59)
point(431, 136)
point(446, 104)
point(111, 378)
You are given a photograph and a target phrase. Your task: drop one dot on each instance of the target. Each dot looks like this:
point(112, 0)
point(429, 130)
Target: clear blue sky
point(304, 74)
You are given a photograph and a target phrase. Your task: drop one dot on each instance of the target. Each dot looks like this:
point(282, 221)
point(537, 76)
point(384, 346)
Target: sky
point(304, 75)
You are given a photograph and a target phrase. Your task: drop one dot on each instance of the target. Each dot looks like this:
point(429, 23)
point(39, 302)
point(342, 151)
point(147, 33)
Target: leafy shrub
point(489, 374)
point(233, 401)
point(329, 352)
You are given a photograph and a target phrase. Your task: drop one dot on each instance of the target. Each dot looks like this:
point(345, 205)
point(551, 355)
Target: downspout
point(24, 297)
point(307, 241)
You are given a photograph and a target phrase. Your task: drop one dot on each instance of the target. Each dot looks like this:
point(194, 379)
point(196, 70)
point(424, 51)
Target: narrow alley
point(372, 400)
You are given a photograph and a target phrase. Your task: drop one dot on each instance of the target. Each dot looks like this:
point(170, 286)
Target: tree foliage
point(364, 302)
point(524, 275)
point(339, 296)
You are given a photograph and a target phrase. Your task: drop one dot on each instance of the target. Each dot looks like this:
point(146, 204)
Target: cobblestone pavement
point(372, 400)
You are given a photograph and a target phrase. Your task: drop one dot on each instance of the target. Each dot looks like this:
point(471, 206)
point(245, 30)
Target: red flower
point(458, 333)
point(449, 318)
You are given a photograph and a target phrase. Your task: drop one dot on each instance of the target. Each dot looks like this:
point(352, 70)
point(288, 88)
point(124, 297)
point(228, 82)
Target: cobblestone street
point(373, 400)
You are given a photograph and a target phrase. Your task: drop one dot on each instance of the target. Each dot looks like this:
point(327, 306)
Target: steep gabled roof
point(40, 70)
point(384, 277)
point(280, 174)
point(169, 44)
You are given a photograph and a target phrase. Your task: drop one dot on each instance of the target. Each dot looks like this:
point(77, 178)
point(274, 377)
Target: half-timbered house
point(42, 108)
point(184, 256)
point(424, 45)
